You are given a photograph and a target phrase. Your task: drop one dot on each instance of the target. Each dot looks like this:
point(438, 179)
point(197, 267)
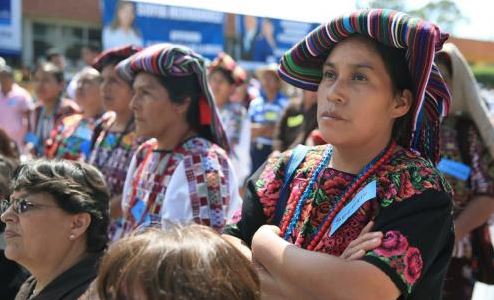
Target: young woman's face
point(46, 87)
point(356, 103)
point(220, 86)
point(126, 15)
point(154, 112)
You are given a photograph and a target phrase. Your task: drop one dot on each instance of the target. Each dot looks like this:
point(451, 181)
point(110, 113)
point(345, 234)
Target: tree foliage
point(445, 13)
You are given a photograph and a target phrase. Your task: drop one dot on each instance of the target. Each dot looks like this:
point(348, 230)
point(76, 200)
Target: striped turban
point(302, 65)
point(168, 60)
point(114, 56)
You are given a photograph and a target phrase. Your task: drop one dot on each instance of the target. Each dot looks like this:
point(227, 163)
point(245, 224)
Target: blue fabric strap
point(296, 158)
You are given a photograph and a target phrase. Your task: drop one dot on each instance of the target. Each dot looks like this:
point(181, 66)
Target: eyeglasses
point(20, 206)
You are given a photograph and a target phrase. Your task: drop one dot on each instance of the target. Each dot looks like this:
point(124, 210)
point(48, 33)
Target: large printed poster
point(144, 24)
point(10, 27)
point(266, 39)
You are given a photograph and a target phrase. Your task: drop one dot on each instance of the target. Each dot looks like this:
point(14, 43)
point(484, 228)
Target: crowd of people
point(336, 174)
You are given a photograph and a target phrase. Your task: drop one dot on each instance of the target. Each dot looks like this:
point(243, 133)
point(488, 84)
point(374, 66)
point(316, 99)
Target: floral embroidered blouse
point(413, 208)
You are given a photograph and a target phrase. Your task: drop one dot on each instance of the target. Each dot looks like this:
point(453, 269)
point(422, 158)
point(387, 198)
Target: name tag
point(12, 102)
point(83, 132)
point(31, 138)
point(454, 168)
point(366, 194)
point(138, 210)
point(295, 121)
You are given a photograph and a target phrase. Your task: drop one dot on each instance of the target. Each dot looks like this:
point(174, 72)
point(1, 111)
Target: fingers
point(367, 228)
point(358, 247)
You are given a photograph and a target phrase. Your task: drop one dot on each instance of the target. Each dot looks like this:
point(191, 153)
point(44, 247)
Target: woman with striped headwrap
point(380, 102)
point(182, 174)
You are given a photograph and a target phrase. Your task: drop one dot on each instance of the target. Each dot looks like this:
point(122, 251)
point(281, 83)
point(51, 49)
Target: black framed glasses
point(20, 206)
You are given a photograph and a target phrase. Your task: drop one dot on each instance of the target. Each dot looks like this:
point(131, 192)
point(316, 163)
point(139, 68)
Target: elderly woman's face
point(39, 232)
point(355, 100)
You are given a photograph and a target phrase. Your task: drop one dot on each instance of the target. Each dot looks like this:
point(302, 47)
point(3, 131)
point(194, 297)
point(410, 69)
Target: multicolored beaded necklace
point(290, 221)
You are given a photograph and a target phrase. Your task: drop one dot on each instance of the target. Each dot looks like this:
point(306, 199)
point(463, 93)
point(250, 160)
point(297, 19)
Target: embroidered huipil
point(112, 153)
point(72, 138)
point(193, 183)
point(412, 208)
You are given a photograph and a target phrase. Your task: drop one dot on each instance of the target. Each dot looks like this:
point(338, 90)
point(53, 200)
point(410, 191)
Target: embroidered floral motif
point(396, 252)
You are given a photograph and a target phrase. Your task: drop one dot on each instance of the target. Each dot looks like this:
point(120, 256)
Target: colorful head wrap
point(168, 60)
point(226, 62)
point(114, 56)
point(301, 66)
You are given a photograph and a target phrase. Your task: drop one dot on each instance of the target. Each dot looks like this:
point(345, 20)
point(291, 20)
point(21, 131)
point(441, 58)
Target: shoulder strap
point(296, 158)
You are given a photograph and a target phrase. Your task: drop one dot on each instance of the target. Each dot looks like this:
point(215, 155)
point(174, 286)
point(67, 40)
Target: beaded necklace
point(363, 175)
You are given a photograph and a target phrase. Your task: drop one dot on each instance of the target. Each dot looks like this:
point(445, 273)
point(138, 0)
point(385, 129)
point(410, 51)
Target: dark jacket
point(70, 285)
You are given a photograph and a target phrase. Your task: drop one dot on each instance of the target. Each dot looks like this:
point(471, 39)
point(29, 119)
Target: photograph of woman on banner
point(380, 100)
point(248, 36)
point(122, 30)
point(265, 44)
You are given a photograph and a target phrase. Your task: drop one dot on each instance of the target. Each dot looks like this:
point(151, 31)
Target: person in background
point(89, 53)
point(122, 31)
point(11, 274)
point(56, 227)
point(297, 122)
point(189, 263)
point(467, 140)
point(51, 108)
point(87, 56)
point(264, 113)
point(380, 100)
point(71, 139)
point(114, 139)
point(182, 174)
point(224, 77)
point(56, 57)
point(16, 106)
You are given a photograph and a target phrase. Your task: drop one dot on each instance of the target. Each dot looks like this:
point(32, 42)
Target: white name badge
point(454, 168)
point(366, 194)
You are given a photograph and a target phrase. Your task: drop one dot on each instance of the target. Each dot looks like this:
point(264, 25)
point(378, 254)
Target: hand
point(266, 232)
point(366, 241)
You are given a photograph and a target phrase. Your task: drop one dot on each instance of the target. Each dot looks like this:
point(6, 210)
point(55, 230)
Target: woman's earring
point(71, 237)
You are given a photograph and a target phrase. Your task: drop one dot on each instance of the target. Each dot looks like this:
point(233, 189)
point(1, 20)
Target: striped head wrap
point(114, 56)
point(301, 66)
point(225, 62)
point(168, 60)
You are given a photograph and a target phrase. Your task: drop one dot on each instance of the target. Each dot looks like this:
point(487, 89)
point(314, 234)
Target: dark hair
point(444, 59)
point(179, 89)
point(52, 52)
point(8, 147)
point(192, 262)
point(51, 69)
point(7, 166)
point(227, 74)
point(76, 188)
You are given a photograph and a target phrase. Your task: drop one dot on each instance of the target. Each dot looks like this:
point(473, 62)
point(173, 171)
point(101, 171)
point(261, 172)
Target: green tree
point(445, 13)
